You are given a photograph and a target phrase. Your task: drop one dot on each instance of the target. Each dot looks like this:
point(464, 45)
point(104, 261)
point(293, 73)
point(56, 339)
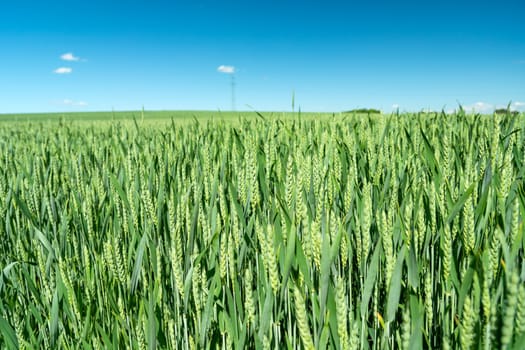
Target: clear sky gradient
point(332, 55)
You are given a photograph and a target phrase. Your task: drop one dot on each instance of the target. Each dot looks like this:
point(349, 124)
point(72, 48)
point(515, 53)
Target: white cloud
point(63, 70)
point(479, 107)
point(226, 69)
point(69, 57)
point(520, 106)
point(69, 102)
point(395, 106)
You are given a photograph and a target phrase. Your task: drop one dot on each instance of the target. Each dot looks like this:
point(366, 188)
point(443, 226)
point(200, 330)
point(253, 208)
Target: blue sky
point(332, 55)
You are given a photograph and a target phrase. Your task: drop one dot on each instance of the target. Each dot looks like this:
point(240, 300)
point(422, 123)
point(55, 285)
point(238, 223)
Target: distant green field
point(177, 116)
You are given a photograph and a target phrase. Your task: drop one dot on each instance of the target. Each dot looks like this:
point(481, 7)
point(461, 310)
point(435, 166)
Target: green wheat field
point(200, 230)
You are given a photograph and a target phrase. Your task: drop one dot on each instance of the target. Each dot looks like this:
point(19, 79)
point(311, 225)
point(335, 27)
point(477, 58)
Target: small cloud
point(520, 106)
point(226, 69)
point(480, 107)
point(63, 70)
point(69, 102)
point(69, 57)
point(395, 106)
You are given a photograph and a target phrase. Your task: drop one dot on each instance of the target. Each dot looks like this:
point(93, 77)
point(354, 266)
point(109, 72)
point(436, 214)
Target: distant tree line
point(376, 111)
point(505, 111)
point(364, 111)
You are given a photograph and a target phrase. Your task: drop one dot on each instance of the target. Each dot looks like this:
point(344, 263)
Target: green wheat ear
point(511, 298)
point(342, 313)
point(249, 303)
point(406, 329)
point(302, 320)
point(520, 312)
point(467, 331)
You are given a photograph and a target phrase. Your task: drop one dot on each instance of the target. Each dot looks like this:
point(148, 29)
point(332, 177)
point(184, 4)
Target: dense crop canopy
point(402, 231)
